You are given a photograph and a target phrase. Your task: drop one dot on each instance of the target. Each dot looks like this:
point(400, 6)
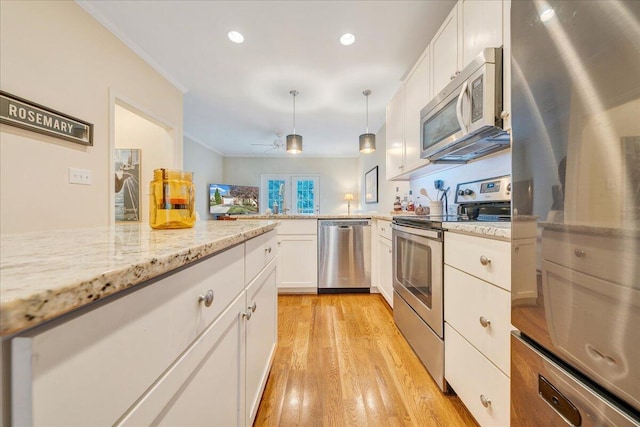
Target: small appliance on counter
point(172, 199)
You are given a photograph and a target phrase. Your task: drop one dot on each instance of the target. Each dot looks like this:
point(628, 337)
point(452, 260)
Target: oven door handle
point(430, 234)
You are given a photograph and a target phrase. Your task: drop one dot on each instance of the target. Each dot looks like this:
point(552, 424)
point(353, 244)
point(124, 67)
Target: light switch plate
point(79, 176)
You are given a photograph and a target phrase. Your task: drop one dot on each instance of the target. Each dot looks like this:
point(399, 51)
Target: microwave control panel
point(485, 190)
point(477, 99)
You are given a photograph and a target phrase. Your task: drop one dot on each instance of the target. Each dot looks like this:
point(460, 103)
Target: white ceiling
point(236, 95)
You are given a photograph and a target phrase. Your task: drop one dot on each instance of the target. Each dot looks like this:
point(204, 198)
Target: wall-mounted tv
point(233, 199)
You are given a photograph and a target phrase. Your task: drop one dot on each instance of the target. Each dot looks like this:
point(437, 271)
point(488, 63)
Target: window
point(293, 194)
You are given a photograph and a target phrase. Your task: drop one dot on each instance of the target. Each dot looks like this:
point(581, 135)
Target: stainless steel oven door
point(418, 272)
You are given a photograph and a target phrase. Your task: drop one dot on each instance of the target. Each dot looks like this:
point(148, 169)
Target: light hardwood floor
point(341, 361)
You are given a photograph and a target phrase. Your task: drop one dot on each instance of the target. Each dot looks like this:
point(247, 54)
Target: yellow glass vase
point(172, 199)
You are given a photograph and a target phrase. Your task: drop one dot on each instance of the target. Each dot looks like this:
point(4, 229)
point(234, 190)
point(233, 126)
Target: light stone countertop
point(46, 274)
point(370, 215)
point(492, 230)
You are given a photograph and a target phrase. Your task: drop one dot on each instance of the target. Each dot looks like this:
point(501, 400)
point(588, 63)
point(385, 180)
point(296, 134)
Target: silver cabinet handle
point(248, 314)
point(267, 250)
point(579, 253)
point(484, 321)
point(486, 402)
point(207, 298)
point(389, 250)
point(253, 307)
point(484, 260)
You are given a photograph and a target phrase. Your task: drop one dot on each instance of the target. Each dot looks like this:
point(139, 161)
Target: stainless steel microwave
point(464, 122)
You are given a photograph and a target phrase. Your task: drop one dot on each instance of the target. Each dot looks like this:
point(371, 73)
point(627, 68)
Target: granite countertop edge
point(491, 230)
point(26, 303)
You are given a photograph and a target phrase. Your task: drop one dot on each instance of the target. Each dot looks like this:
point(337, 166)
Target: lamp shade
point(367, 143)
point(294, 143)
point(348, 197)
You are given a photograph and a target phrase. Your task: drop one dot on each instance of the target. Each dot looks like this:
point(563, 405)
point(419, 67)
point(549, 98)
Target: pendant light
point(367, 140)
point(294, 142)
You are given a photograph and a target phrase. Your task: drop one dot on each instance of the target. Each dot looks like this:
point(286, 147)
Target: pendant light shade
point(294, 141)
point(367, 140)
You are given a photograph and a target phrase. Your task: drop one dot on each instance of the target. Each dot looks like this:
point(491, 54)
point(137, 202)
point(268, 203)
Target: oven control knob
point(460, 192)
point(468, 192)
point(509, 187)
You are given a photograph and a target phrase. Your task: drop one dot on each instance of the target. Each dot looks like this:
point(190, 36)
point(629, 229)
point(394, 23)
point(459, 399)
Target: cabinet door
point(395, 135)
point(298, 262)
point(481, 27)
point(417, 93)
point(261, 336)
point(445, 51)
point(206, 384)
point(385, 275)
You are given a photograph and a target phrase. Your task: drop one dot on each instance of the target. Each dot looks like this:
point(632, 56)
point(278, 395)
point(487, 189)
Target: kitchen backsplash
point(495, 165)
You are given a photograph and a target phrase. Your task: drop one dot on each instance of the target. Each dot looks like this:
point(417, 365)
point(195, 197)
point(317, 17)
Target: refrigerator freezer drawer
point(545, 394)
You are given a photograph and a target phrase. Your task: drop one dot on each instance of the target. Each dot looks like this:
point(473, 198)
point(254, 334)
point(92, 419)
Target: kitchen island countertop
point(46, 274)
point(491, 230)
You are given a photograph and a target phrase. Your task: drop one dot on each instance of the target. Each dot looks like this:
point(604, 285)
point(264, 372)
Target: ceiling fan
point(275, 145)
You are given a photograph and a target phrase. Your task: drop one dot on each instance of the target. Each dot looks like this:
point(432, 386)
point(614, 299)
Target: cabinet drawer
point(72, 373)
point(487, 259)
point(259, 252)
point(298, 226)
point(606, 257)
point(468, 304)
point(474, 379)
point(384, 228)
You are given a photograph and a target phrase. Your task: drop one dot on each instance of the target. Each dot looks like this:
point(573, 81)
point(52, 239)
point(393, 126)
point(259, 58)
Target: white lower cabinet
point(182, 350)
point(298, 256)
point(482, 387)
point(385, 270)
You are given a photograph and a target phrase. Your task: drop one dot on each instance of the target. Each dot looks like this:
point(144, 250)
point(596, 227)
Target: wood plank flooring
point(341, 361)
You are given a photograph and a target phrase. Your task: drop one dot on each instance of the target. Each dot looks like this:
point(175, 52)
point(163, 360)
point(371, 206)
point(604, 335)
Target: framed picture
point(371, 186)
point(127, 185)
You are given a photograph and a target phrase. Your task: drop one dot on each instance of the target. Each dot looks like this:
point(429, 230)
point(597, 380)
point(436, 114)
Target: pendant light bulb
point(294, 141)
point(367, 140)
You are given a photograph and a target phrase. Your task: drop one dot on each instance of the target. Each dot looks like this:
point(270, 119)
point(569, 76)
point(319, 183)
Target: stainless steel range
point(418, 258)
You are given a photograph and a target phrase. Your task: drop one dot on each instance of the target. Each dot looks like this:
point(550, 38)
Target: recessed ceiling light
point(547, 14)
point(235, 37)
point(347, 39)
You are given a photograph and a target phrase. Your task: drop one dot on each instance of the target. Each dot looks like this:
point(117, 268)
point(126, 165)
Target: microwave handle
point(463, 126)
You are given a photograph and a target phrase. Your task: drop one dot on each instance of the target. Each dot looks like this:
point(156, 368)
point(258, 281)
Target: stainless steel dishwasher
point(344, 255)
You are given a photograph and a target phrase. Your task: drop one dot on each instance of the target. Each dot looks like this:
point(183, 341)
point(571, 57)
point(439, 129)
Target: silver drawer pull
point(486, 402)
point(579, 253)
point(207, 298)
point(390, 251)
point(484, 260)
point(485, 322)
point(247, 315)
point(253, 307)
point(267, 249)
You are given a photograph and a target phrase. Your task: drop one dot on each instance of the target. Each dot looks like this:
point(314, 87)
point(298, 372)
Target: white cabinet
point(471, 26)
point(477, 303)
point(169, 352)
point(261, 336)
point(395, 135)
point(298, 256)
point(385, 260)
point(446, 52)
point(403, 120)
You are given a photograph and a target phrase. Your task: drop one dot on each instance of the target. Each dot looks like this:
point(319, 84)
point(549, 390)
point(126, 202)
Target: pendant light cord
point(367, 113)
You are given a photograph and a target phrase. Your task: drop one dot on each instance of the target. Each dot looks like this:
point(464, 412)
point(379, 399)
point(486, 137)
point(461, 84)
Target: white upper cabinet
point(395, 135)
point(446, 50)
point(416, 95)
point(471, 26)
point(482, 27)
point(403, 120)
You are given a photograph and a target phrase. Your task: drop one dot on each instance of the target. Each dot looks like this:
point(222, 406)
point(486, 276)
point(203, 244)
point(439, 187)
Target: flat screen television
point(227, 199)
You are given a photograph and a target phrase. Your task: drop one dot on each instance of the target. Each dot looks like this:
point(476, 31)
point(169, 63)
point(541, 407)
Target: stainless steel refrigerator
point(576, 213)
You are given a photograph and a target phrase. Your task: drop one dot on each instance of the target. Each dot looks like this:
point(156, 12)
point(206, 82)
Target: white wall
point(55, 54)
point(497, 164)
point(155, 143)
point(337, 175)
point(207, 167)
point(386, 189)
